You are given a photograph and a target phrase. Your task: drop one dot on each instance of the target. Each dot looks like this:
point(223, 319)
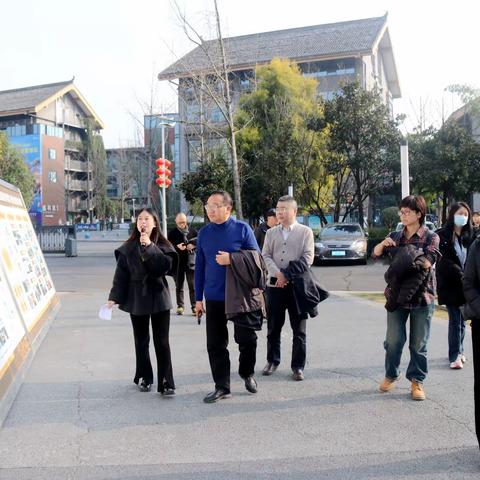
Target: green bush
point(390, 217)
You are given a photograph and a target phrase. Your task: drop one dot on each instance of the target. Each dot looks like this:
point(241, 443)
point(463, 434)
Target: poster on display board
point(24, 264)
point(27, 294)
point(11, 326)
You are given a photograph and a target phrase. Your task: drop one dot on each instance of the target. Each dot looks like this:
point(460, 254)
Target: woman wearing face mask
point(140, 288)
point(455, 239)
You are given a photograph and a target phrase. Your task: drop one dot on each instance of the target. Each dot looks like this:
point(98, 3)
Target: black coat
point(260, 233)
point(139, 283)
point(471, 283)
point(406, 276)
point(449, 270)
point(307, 292)
point(246, 280)
point(186, 258)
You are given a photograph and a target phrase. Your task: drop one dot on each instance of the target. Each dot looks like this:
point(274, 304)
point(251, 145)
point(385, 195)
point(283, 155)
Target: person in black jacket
point(471, 288)
point(184, 239)
point(417, 306)
point(455, 239)
point(270, 221)
point(140, 288)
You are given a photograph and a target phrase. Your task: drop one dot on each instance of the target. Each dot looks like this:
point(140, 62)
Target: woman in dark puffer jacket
point(455, 239)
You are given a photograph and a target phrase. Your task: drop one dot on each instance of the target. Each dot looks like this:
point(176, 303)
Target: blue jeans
point(456, 332)
point(420, 320)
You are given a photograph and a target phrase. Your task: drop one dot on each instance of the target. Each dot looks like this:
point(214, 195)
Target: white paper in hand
point(105, 313)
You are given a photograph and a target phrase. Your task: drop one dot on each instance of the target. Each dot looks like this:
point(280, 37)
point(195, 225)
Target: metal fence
point(52, 239)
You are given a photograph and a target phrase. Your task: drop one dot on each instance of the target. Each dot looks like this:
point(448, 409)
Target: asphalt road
point(335, 276)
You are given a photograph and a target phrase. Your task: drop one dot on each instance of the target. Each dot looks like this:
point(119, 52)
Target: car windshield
point(338, 230)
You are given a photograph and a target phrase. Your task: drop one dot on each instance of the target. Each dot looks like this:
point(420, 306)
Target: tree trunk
point(228, 103)
point(360, 205)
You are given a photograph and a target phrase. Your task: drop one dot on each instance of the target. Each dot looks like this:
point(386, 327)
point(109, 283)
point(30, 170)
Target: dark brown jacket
point(246, 280)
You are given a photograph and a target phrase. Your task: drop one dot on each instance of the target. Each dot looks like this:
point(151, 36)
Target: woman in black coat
point(140, 288)
point(455, 239)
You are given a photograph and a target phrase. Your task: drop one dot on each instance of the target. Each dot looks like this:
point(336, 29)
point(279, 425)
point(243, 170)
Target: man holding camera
point(184, 240)
point(287, 242)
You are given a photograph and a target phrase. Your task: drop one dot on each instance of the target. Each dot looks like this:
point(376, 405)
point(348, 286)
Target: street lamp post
point(405, 176)
point(164, 187)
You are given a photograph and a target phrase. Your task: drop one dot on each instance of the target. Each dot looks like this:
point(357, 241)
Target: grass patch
point(440, 310)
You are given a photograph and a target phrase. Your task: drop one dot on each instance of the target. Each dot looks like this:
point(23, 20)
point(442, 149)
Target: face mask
point(460, 220)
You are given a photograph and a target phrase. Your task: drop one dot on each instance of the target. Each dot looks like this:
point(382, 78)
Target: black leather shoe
point(216, 395)
point(251, 384)
point(298, 375)
point(144, 386)
point(269, 368)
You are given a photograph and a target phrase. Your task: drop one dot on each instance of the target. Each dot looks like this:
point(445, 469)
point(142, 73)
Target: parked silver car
point(429, 225)
point(341, 241)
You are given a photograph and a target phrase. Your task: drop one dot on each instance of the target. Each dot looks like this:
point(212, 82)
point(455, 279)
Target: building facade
point(359, 50)
point(47, 123)
point(131, 171)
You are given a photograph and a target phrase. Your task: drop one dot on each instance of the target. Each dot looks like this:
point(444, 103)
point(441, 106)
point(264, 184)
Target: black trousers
point(278, 301)
point(179, 282)
point(476, 372)
point(141, 335)
point(217, 343)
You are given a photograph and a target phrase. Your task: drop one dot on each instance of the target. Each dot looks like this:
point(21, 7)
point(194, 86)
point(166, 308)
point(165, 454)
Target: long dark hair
point(156, 236)
point(467, 229)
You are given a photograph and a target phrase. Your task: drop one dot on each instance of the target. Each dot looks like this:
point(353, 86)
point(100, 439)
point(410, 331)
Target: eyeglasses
point(281, 209)
point(211, 208)
point(404, 213)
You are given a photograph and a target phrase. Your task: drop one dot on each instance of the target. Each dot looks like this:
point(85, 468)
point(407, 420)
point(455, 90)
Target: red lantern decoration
point(163, 172)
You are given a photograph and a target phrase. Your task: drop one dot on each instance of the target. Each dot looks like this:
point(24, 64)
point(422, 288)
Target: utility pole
point(164, 187)
point(405, 176)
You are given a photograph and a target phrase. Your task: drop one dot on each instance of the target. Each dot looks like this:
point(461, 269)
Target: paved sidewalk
point(79, 416)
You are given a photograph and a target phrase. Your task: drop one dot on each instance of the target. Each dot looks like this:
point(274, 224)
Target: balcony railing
point(76, 165)
point(77, 205)
point(78, 185)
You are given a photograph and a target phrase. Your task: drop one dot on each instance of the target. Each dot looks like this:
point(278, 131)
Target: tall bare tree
point(214, 85)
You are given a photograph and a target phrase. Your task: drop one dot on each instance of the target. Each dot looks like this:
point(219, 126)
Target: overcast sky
point(115, 48)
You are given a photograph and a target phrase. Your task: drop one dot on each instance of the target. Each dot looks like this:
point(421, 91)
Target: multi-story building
point(468, 117)
point(48, 123)
point(358, 50)
point(128, 178)
point(131, 171)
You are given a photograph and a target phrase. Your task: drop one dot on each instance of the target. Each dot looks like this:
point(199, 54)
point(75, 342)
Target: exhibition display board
point(27, 293)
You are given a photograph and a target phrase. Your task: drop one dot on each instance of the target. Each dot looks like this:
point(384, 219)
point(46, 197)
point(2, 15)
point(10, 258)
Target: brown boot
point(417, 391)
point(388, 384)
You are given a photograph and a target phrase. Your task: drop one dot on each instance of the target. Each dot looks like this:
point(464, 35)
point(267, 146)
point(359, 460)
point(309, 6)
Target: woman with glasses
point(455, 239)
point(141, 289)
point(421, 245)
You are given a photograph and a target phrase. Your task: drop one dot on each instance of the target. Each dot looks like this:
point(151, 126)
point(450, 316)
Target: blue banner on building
point(30, 147)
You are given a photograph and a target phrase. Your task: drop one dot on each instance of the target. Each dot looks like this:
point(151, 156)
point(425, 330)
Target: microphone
point(143, 231)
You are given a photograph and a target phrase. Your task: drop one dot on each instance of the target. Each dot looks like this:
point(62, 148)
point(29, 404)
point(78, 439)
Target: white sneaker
point(463, 358)
point(457, 364)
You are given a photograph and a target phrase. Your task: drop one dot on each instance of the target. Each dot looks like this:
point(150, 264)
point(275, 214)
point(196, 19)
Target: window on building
point(52, 154)
point(52, 176)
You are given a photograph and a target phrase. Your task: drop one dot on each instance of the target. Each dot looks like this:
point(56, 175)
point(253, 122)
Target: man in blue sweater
point(215, 242)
